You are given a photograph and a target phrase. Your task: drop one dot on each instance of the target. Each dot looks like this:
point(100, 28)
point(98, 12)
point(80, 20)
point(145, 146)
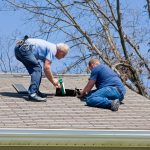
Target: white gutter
point(75, 138)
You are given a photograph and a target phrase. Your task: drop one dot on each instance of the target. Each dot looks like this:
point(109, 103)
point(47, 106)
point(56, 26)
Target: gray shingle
point(67, 112)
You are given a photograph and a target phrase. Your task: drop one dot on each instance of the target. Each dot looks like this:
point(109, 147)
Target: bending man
point(29, 51)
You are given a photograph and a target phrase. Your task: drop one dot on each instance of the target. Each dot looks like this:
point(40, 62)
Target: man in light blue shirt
point(29, 51)
point(42, 49)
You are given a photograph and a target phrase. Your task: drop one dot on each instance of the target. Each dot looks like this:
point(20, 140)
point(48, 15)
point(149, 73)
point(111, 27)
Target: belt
point(24, 46)
point(22, 42)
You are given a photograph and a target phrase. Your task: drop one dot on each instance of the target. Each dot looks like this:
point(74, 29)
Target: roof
point(67, 112)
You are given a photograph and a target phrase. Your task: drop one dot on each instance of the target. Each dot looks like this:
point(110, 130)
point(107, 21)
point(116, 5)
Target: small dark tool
point(69, 92)
point(20, 88)
point(25, 37)
point(77, 91)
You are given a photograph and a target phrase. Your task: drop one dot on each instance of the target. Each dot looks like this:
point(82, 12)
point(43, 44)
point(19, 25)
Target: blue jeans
point(103, 97)
point(25, 55)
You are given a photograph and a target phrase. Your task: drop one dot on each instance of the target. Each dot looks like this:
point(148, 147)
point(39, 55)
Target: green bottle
point(62, 86)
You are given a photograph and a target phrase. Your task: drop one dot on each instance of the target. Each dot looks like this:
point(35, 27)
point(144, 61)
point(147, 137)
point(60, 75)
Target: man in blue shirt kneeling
point(109, 90)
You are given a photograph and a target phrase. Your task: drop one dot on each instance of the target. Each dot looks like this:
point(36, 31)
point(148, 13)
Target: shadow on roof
point(23, 96)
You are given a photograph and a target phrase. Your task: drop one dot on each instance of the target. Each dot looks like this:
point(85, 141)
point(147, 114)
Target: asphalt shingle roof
point(67, 112)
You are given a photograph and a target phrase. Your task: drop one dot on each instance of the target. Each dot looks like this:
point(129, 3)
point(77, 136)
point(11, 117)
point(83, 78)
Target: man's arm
point(88, 87)
point(48, 73)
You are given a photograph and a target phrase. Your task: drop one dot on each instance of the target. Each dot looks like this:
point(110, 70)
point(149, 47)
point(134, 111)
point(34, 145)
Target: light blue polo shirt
point(42, 49)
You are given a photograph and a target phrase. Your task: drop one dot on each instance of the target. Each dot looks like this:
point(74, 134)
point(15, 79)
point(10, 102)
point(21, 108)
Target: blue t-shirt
point(105, 76)
point(42, 49)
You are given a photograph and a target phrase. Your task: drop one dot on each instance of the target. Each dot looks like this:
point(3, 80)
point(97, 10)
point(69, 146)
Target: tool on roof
point(20, 88)
point(63, 91)
point(66, 92)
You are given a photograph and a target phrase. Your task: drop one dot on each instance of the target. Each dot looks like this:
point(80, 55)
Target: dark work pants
point(103, 97)
point(24, 54)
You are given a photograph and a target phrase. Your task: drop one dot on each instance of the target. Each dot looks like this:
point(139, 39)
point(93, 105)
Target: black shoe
point(115, 105)
point(43, 95)
point(35, 97)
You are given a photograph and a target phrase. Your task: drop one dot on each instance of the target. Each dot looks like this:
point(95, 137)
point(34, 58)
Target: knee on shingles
point(98, 103)
point(91, 102)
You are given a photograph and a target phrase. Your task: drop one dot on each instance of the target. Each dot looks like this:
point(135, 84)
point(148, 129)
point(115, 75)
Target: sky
point(15, 21)
point(10, 22)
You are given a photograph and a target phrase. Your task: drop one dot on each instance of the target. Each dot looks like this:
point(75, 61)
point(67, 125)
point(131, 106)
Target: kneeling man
point(109, 90)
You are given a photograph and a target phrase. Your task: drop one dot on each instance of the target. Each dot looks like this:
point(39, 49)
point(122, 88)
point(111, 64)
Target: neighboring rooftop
point(67, 112)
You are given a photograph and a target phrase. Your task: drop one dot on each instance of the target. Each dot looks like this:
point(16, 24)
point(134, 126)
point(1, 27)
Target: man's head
point(62, 50)
point(93, 63)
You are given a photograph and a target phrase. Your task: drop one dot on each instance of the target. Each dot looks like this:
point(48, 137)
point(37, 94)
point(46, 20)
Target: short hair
point(62, 47)
point(94, 61)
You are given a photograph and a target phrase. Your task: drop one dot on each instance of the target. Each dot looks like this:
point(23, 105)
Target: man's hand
point(49, 75)
point(87, 88)
point(56, 83)
point(81, 94)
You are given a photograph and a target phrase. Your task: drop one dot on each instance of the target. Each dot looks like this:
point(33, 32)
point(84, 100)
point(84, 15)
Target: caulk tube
point(63, 89)
point(62, 86)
